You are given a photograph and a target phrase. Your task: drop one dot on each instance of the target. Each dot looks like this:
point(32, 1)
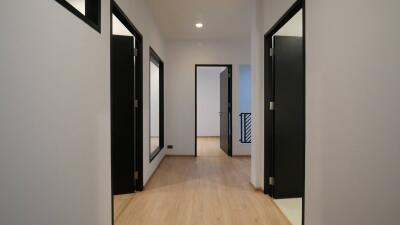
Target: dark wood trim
point(195, 110)
point(229, 66)
point(268, 116)
point(303, 5)
point(93, 12)
point(269, 93)
point(116, 10)
point(112, 196)
point(241, 156)
point(139, 109)
point(154, 57)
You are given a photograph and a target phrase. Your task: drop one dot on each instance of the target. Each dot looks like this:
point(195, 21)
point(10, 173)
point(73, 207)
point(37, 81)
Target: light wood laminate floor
point(212, 189)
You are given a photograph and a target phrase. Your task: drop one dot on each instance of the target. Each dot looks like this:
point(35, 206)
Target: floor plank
point(212, 189)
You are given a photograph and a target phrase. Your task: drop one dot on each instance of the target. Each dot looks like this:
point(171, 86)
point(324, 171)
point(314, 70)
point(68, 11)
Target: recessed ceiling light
point(199, 25)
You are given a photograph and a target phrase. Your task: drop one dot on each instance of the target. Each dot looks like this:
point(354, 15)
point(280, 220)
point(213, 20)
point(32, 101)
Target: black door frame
point(138, 136)
point(269, 95)
point(229, 66)
point(154, 57)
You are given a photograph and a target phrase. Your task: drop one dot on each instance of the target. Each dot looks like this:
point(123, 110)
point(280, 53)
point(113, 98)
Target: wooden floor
point(212, 189)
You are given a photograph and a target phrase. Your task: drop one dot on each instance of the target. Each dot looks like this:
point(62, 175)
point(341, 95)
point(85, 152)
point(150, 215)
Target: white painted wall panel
point(55, 112)
point(353, 108)
point(54, 116)
point(180, 88)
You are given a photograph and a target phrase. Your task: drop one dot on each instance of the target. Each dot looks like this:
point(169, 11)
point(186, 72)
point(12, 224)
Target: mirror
point(156, 104)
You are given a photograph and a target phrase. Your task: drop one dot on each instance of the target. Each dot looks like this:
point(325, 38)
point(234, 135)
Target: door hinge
point(271, 106)
point(135, 52)
point(136, 103)
point(271, 181)
point(271, 52)
point(136, 175)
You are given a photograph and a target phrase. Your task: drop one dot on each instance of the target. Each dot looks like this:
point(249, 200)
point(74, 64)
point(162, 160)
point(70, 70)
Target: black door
point(225, 112)
point(122, 115)
point(289, 123)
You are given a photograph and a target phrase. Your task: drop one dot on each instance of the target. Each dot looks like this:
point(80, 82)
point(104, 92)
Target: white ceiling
point(222, 19)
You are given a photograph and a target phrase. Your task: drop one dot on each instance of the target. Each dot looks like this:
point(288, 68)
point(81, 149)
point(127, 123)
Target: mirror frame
point(153, 57)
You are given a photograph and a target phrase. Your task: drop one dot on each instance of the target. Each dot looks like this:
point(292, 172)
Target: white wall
point(208, 101)
point(257, 142)
point(352, 108)
point(353, 155)
point(141, 17)
point(180, 95)
point(55, 112)
point(54, 116)
point(245, 88)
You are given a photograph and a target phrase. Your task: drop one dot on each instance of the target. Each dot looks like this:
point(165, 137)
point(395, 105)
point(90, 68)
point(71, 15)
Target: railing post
point(245, 127)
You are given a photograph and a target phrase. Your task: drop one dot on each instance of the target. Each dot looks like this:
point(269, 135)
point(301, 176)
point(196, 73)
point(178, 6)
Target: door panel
point(122, 115)
point(289, 128)
point(225, 112)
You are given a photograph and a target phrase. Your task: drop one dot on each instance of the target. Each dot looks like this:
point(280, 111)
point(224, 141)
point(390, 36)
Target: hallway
point(212, 189)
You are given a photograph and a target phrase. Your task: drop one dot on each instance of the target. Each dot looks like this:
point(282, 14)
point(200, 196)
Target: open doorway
point(245, 104)
point(213, 108)
point(126, 109)
point(285, 114)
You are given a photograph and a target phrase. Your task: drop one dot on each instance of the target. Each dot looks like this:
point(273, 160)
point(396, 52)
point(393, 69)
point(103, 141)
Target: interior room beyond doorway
point(213, 91)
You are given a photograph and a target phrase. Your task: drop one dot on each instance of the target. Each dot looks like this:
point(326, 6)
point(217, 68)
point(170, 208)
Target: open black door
point(289, 117)
point(122, 114)
point(226, 112)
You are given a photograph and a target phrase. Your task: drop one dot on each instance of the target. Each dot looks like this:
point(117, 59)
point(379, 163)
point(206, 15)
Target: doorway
point(245, 89)
point(213, 105)
point(284, 169)
point(126, 108)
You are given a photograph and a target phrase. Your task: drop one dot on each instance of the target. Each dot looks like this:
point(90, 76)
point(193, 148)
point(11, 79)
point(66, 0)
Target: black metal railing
point(245, 127)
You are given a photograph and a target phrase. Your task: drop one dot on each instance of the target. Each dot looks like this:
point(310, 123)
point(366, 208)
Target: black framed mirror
point(156, 104)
